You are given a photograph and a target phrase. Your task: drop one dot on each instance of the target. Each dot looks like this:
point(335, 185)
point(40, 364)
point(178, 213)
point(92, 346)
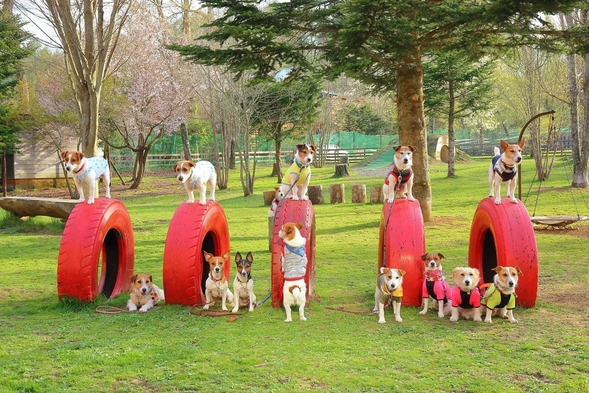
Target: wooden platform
point(31, 206)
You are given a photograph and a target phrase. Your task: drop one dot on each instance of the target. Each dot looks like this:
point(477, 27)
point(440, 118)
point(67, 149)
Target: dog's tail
point(296, 293)
point(496, 151)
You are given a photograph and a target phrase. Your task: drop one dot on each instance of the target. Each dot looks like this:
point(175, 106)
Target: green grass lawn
point(66, 346)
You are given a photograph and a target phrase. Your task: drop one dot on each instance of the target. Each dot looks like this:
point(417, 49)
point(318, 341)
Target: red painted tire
point(194, 228)
point(401, 245)
point(292, 211)
point(503, 235)
point(96, 237)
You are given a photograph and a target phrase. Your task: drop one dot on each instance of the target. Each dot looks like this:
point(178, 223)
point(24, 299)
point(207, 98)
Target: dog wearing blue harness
point(196, 176)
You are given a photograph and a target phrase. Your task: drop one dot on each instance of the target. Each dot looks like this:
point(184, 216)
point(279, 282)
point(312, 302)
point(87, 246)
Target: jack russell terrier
point(144, 293)
point(503, 168)
point(216, 285)
point(499, 298)
point(435, 285)
point(243, 285)
point(195, 177)
point(296, 179)
point(87, 170)
point(389, 289)
point(466, 297)
point(294, 267)
point(399, 181)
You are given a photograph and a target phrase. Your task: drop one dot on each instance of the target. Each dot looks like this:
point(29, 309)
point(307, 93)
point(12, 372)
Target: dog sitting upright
point(389, 289)
point(435, 285)
point(195, 176)
point(499, 298)
point(466, 297)
point(243, 285)
point(216, 285)
point(503, 168)
point(399, 181)
point(278, 195)
point(294, 267)
point(87, 170)
point(297, 177)
point(144, 293)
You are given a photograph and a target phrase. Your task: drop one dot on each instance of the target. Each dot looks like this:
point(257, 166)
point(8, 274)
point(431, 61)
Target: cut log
point(376, 195)
point(31, 207)
point(341, 170)
point(359, 193)
point(337, 193)
point(269, 197)
point(316, 194)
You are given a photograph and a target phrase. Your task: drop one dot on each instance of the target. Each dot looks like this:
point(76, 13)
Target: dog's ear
point(401, 272)
point(424, 257)
point(207, 255)
point(497, 269)
point(64, 154)
point(396, 148)
point(503, 145)
point(440, 255)
point(150, 278)
point(250, 257)
point(299, 225)
point(133, 278)
point(191, 163)
point(300, 146)
point(313, 147)
point(176, 165)
point(226, 255)
point(412, 148)
point(521, 143)
point(519, 271)
point(237, 257)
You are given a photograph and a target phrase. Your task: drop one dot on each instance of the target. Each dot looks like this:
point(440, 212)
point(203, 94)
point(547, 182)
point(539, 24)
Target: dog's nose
point(405, 160)
point(467, 283)
point(308, 159)
point(217, 269)
point(518, 159)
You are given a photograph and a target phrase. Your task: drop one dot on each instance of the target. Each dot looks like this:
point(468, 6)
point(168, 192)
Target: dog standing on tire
point(87, 170)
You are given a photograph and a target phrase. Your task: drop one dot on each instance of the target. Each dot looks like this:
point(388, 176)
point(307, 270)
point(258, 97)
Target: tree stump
point(344, 160)
point(376, 195)
point(316, 194)
point(269, 197)
point(359, 193)
point(341, 170)
point(337, 193)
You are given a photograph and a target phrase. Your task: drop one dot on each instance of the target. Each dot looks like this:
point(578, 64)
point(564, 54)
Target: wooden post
point(376, 195)
point(341, 170)
point(316, 194)
point(269, 197)
point(359, 193)
point(337, 193)
point(270, 232)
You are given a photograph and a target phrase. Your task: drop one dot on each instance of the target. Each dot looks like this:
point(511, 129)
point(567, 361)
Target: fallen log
point(32, 206)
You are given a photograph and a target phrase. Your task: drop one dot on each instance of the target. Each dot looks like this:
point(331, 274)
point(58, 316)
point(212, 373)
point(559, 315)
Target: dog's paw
point(235, 309)
point(143, 309)
point(411, 199)
point(513, 200)
point(513, 320)
point(453, 319)
point(202, 202)
point(477, 319)
point(488, 320)
point(205, 307)
point(382, 321)
point(375, 311)
point(441, 314)
point(288, 320)
point(131, 307)
point(251, 309)
point(422, 312)
point(189, 201)
point(498, 201)
point(303, 318)
point(90, 201)
point(224, 308)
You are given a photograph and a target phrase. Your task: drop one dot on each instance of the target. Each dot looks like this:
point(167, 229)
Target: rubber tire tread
point(183, 250)
point(82, 243)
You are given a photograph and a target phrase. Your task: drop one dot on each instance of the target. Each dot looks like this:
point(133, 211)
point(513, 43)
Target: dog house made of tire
point(194, 228)
point(503, 235)
point(292, 211)
point(401, 245)
point(97, 237)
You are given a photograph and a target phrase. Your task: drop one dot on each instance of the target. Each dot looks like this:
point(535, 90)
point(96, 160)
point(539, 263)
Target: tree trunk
point(141, 164)
point(412, 127)
point(185, 142)
point(277, 148)
point(452, 104)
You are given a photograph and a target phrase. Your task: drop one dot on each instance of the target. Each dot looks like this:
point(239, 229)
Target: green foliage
point(364, 120)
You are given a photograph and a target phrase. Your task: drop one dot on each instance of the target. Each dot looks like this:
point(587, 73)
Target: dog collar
point(300, 165)
point(81, 169)
point(507, 167)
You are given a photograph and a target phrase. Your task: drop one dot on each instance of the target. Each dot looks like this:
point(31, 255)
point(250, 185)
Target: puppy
point(296, 179)
point(87, 170)
point(499, 299)
point(399, 181)
point(216, 285)
point(435, 285)
point(503, 168)
point(144, 293)
point(278, 195)
point(466, 297)
point(195, 177)
point(294, 267)
point(243, 285)
point(389, 289)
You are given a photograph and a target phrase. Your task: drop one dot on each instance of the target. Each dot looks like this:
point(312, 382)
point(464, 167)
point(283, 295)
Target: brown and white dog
point(389, 290)
point(243, 285)
point(87, 170)
point(294, 268)
point(499, 298)
point(399, 181)
point(144, 293)
point(435, 285)
point(503, 168)
point(196, 176)
point(297, 177)
point(466, 297)
point(278, 195)
point(216, 285)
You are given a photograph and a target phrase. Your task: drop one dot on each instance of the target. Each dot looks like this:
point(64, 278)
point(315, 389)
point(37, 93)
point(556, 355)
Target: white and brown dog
point(87, 170)
point(243, 285)
point(503, 168)
point(399, 181)
point(196, 176)
point(389, 290)
point(144, 293)
point(435, 285)
point(278, 195)
point(466, 297)
point(499, 298)
point(297, 177)
point(217, 285)
point(294, 268)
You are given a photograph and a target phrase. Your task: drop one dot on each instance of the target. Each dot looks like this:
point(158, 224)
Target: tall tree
point(380, 42)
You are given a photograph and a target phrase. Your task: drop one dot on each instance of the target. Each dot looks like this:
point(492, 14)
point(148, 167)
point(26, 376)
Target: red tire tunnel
point(194, 228)
point(96, 254)
point(503, 235)
point(401, 245)
point(292, 211)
